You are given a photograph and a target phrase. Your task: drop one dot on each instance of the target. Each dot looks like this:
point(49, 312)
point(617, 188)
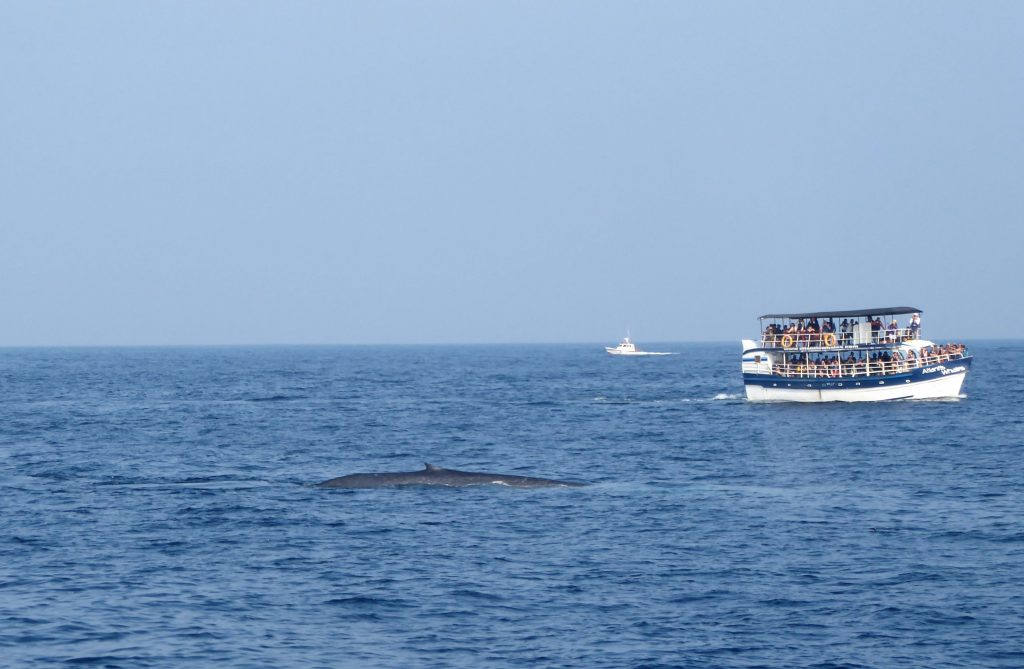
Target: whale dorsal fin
point(432, 468)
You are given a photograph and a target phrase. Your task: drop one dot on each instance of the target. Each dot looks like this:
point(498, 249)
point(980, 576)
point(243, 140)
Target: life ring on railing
point(787, 341)
point(828, 339)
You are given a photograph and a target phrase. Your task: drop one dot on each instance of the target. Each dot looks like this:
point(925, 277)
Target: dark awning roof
point(854, 313)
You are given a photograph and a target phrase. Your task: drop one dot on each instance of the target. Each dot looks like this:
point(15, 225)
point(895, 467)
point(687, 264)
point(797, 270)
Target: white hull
point(626, 347)
point(937, 388)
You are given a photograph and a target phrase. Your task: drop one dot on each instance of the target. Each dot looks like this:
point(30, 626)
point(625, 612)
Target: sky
point(295, 172)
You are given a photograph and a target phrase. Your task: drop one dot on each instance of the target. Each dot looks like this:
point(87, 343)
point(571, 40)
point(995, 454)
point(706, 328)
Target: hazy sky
point(403, 172)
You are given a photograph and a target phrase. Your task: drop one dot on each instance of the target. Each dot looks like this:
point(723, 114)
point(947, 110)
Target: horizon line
point(401, 344)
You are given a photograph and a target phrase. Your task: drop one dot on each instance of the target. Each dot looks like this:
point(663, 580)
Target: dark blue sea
point(157, 512)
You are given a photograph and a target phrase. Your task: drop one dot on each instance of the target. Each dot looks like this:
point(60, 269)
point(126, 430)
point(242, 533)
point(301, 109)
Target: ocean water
point(156, 512)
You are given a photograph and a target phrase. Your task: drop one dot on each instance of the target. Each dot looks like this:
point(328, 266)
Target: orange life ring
point(787, 341)
point(828, 339)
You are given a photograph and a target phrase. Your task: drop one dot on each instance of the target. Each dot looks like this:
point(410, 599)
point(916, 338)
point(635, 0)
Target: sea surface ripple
point(157, 512)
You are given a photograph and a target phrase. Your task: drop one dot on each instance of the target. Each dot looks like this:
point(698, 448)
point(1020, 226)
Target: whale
point(439, 476)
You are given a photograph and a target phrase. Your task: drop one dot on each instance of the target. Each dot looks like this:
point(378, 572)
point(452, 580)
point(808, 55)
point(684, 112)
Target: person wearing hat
point(915, 326)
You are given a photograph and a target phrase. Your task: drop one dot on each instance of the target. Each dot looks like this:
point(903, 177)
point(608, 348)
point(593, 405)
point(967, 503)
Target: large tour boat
point(861, 355)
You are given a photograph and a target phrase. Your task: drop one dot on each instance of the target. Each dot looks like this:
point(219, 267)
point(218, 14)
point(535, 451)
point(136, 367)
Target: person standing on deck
point(915, 326)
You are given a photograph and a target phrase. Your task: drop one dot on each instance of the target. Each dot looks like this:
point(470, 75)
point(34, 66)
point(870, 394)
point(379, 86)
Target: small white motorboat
point(627, 347)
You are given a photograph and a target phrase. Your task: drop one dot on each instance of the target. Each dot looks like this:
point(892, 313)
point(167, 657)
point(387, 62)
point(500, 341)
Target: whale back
point(439, 476)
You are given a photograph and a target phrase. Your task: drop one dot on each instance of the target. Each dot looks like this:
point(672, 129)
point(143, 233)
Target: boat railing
point(802, 340)
point(859, 369)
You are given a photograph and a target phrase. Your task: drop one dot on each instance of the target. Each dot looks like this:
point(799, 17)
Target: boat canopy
point(856, 313)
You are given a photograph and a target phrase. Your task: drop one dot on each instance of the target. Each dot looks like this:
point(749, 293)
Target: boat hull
point(938, 381)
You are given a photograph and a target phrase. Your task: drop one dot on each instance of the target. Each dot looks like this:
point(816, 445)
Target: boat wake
point(602, 399)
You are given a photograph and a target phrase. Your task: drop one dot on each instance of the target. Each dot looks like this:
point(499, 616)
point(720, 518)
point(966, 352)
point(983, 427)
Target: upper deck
point(840, 329)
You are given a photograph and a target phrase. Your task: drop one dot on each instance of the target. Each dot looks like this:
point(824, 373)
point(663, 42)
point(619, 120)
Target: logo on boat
point(945, 370)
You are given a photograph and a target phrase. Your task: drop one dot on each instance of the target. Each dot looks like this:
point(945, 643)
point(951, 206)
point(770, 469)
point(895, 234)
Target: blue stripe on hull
point(926, 373)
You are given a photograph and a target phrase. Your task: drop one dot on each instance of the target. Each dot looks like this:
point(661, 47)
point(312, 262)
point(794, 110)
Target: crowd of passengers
point(855, 363)
point(809, 332)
